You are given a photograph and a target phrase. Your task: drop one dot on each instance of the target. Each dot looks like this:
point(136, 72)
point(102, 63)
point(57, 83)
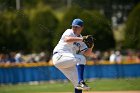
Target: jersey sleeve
point(83, 47)
point(68, 32)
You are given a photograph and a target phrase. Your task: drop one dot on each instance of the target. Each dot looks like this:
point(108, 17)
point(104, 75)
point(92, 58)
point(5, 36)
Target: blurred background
point(29, 31)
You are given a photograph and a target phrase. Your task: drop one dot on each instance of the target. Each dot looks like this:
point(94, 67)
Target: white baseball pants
point(66, 63)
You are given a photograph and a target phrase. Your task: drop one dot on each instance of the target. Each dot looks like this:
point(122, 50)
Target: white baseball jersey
point(68, 55)
point(65, 47)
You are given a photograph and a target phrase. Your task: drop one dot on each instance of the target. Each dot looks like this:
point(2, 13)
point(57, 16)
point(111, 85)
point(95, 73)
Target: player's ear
point(82, 27)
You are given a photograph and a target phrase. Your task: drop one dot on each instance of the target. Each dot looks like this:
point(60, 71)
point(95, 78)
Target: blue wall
point(44, 73)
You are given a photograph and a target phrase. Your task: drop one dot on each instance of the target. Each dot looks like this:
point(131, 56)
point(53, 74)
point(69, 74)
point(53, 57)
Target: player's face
point(77, 29)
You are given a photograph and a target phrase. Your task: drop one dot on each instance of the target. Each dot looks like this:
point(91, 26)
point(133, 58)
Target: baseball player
point(69, 54)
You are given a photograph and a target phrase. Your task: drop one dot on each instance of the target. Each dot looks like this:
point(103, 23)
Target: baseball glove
point(88, 40)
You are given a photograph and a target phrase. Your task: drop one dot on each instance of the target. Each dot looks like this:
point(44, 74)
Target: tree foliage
point(43, 24)
point(94, 24)
point(31, 30)
point(12, 31)
point(132, 31)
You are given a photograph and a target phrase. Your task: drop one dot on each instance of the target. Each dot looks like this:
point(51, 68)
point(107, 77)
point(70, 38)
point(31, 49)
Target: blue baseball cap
point(77, 22)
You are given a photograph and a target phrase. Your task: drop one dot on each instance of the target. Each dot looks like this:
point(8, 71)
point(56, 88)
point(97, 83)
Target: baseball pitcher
point(69, 54)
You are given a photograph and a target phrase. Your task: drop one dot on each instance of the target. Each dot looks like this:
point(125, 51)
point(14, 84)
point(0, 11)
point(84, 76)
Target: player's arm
point(72, 39)
point(85, 50)
point(88, 52)
point(89, 41)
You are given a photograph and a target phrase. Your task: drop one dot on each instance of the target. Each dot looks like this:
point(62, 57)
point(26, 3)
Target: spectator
point(130, 57)
point(105, 56)
point(18, 58)
point(118, 57)
point(32, 58)
point(42, 57)
point(138, 57)
point(11, 57)
point(3, 58)
point(98, 55)
point(112, 57)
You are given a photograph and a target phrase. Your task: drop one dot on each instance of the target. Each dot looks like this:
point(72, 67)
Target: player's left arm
point(89, 41)
point(88, 52)
point(85, 50)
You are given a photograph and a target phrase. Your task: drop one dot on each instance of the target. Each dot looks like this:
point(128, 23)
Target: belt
point(55, 53)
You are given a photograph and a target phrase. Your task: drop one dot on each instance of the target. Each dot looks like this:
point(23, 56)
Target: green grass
point(96, 85)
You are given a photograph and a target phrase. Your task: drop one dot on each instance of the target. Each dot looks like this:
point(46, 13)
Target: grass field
point(61, 87)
